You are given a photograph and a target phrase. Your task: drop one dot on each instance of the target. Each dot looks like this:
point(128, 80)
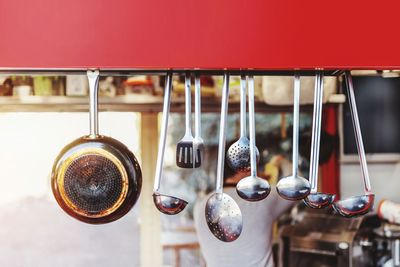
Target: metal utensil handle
point(163, 132)
point(357, 132)
point(197, 106)
point(93, 77)
point(252, 129)
point(316, 131)
point(243, 125)
point(396, 252)
point(222, 130)
point(296, 111)
point(188, 105)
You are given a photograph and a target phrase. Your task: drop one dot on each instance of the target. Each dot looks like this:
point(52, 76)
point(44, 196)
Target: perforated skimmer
point(238, 154)
point(223, 215)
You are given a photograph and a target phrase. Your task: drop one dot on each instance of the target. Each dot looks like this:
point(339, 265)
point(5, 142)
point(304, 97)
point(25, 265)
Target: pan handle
point(93, 77)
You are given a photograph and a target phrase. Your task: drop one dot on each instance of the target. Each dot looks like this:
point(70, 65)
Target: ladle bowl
point(224, 217)
point(293, 188)
point(253, 188)
point(168, 204)
point(354, 206)
point(319, 200)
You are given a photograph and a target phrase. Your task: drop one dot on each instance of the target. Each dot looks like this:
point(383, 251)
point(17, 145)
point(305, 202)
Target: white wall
point(385, 180)
point(34, 231)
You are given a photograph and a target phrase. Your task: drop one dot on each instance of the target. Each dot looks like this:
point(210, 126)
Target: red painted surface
point(260, 34)
point(330, 171)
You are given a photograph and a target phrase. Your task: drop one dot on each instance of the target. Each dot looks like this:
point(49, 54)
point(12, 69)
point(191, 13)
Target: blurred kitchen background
point(39, 115)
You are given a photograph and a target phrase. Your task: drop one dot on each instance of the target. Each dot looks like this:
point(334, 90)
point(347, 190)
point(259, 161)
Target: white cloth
point(254, 246)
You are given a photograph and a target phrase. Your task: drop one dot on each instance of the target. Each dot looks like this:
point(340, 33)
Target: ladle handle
point(222, 136)
point(163, 131)
point(252, 129)
point(296, 111)
point(357, 132)
point(316, 131)
point(197, 106)
point(93, 78)
point(188, 105)
point(243, 106)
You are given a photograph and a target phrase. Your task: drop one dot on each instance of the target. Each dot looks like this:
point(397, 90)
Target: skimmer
point(223, 215)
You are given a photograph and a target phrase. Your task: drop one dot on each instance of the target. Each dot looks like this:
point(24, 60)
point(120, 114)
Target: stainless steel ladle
point(356, 205)
point(315, 199)
point(166, 204)
point(294, 187)
point(238, 154)
point(223, 215)
point(252, 188)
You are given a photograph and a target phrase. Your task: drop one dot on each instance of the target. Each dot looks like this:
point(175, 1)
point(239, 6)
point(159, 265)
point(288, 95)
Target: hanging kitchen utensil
point(198, 143)
point(238, 154)
point(166, 204)
point(96, 179)
point(356, 205)
point(252, 188)
point(184, 148)
point(294, 187)
point(315, 199)
point(223, 215)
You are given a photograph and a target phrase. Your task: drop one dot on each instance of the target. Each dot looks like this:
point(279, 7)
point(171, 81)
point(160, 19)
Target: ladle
point(294, 187)
point(166, 204)
point(238, 154)
point(315, 199)
point(356, 205)
point(223, 215)
point(252, 188)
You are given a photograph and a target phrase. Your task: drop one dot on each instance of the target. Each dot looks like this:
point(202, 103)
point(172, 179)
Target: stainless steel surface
point(317, 200)
point(198, 142)
point(252, 188)
point(223, 215)
point(93, 77)
point(222, 134)
point(184, 148)
point(357, 205)
point(357, 132)
point(238, 154)
point(169, 205)
point(294, 187)
point(166, 204)
point(354, 206)
point(163, 132)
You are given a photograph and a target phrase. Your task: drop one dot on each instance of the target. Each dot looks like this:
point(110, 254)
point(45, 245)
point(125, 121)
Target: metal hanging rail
point(127, 72)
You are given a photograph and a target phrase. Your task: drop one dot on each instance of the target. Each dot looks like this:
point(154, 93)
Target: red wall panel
point(207, 34)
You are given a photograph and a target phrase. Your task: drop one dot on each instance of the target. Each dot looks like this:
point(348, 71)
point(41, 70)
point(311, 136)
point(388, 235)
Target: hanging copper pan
point(96, 179)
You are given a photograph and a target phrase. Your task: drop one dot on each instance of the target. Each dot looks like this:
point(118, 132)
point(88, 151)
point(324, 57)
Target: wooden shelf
point(127, 103)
